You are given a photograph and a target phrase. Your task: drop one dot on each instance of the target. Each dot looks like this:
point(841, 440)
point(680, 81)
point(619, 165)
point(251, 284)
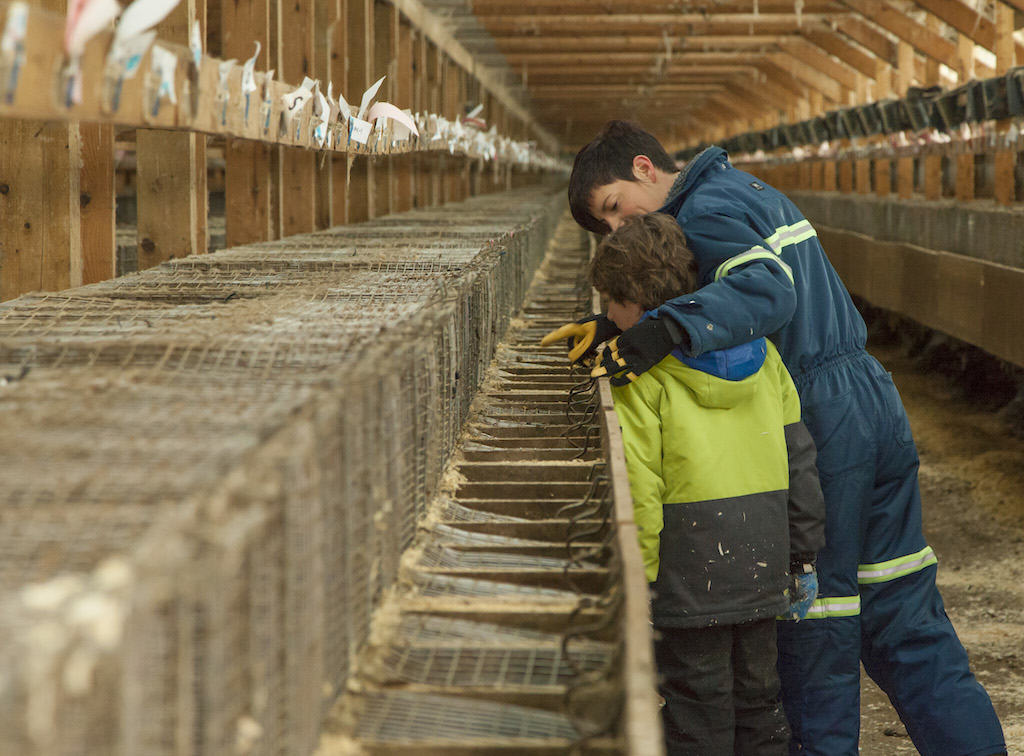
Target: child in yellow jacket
point(727, 500)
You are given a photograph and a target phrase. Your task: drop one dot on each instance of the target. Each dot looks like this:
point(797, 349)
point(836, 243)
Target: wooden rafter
point(967, 21)
point(810, 55)
point(851, 55)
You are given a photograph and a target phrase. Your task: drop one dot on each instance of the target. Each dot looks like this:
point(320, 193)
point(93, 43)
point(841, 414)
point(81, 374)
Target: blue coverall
point(878, 602)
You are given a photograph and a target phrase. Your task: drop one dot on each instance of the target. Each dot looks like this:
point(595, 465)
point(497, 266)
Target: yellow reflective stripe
point(785, 236)
point(755, 253)
point(835, 606)
point(896, 568)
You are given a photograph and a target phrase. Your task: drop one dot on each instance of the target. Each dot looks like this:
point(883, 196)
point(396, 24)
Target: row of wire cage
point(489, 678)
point(211, 468)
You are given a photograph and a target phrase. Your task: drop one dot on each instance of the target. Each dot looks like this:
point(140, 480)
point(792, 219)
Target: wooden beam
point(338, 74)
point(895, 21)
point(40, 237)
point(966, 20)
point(298, 166)
point(619, 23)
point(525, 62)
point(867, 36)
point(812, 78)
point(98, 202)
point(247, 172)
point(965, 61)
point(359, 24)
point(851, 55)
point(172, 198)
point(1004, 47)
point(404, 98)
point(484, 8)
point(809, 54)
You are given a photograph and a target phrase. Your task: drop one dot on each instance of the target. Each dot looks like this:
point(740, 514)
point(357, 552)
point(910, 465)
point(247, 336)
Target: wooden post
point(863, 176)
point(1004, 159)
point(40, 203)
point(360, 169)
point(829, 174)
point(385, 20)
point(173, 206)
point(965, 57)
point(247, 170)
point(403, 93)
point(323, 22)
point(965, 176)
point(40, 237)
point(98, 203)
point(338, 67)
point(883, 177)
point(297, 165)
point(933, 176)
point(846, 176)
point(905, 177)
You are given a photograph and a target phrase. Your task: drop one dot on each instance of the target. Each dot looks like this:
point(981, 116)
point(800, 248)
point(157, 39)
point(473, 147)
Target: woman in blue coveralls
point(765, 274)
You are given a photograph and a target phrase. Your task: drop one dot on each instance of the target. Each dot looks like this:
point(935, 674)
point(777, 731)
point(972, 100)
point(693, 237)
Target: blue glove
point(803, 589)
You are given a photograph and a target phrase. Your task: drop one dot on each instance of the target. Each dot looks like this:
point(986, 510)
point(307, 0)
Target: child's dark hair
point(607, 158)
point(645, 260)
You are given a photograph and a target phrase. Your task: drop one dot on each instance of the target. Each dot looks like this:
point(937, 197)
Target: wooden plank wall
point(58, 185)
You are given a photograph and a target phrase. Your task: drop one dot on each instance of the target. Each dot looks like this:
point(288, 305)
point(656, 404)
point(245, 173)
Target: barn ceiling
point(710, 68)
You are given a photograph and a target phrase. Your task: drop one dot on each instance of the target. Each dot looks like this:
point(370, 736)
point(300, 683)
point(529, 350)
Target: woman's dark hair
point(645, 260)
point(607, 158)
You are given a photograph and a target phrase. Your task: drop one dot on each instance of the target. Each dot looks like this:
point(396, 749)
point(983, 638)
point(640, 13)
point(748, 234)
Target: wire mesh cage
point(252, 435)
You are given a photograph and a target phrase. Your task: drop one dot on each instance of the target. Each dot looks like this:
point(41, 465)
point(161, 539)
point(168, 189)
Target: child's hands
point(584, 336)
point(803, 589)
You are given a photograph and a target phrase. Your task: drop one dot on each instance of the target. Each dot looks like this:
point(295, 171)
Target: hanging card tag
point(359, 130)
point(249, 79)
point(195, 44)
point(12, 48)
point(224, 69)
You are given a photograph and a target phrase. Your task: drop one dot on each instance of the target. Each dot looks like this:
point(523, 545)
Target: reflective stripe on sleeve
point(835, 606)
point(786, 236)
point(754, 253)
point(896, 568)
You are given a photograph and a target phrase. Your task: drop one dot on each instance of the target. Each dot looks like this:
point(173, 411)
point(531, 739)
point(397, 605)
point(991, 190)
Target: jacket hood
point(721, 378)
point(690, 176)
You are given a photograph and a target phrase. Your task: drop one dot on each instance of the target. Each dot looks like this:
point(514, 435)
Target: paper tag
point(15, 29)
point(128, 53)
point(142, 15)
point(195, 44)
point(368, 96)
point(164, 63)
point(90, 18)
point(248, 72)
point(359, 130)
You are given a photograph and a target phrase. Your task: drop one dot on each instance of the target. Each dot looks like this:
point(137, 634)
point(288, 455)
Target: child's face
point(624, 314)
point(621, 199)
point(614, 202)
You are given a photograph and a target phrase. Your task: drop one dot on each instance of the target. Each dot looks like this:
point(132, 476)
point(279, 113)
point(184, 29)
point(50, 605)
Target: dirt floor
point(972, 482)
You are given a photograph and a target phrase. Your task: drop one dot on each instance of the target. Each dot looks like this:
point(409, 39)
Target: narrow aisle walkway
point(502, 636)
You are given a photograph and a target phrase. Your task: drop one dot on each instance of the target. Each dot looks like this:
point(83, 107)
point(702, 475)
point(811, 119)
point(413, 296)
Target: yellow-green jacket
point(725, 489)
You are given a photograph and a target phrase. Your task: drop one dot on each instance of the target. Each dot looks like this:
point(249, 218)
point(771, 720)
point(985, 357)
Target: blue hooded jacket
point(771, 276)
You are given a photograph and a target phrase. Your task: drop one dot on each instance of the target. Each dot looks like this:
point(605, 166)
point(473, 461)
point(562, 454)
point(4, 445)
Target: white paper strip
point(384, 110)
point(164, 63)
point(140, 16)
point(248, 72)
point(85, 20)
point(368, 96)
